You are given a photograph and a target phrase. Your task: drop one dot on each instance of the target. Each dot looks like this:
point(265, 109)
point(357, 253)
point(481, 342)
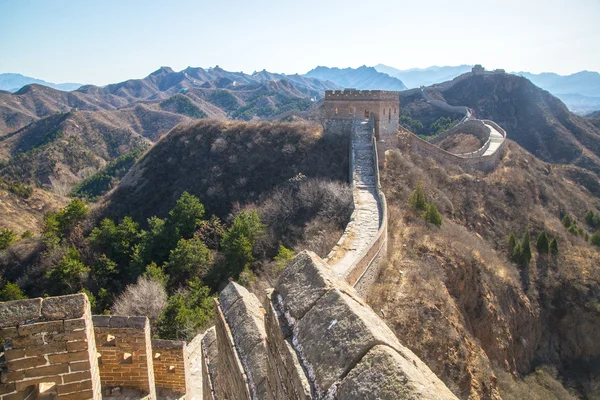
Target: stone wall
point(125, 352)
point(171, 366)
point(325, 342)
point(209, 364)
point(231, 381)
point(245, 362)
point(412, 142)
point(49, 341)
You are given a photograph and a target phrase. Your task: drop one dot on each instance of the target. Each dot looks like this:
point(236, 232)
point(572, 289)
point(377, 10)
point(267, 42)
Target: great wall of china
point(313, 338)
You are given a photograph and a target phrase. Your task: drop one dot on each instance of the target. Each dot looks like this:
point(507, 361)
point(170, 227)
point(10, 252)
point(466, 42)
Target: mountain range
point(580, 91)
point(362, 78)
point(13, 82)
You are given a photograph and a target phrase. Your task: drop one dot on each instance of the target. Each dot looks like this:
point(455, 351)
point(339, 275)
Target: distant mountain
point(594, 114)
point(585, 83)
point(580, 91)
point(417, 77)
point(14, 82)
point(53, 138)
point(362, 78)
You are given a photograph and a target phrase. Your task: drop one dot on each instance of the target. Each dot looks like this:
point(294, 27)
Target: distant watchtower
point(352, 104)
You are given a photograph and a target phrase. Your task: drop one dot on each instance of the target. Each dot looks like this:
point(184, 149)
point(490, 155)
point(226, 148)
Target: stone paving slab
point(367, 208)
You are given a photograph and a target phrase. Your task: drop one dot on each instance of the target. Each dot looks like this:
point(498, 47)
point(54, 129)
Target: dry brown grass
point(452, 295)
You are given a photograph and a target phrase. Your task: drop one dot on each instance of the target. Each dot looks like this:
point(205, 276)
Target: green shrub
point(432, 215)
point(512, 243)
point(10, 291)
point(7, 237)
point(566, 221)
point(283, 257)
point(542, 244)
point(522, 253)
point(417, 198)
point(595, 239)
point(554, 247)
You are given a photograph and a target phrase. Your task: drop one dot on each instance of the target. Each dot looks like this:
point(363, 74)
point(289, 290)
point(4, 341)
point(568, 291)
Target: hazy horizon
point(111, 41)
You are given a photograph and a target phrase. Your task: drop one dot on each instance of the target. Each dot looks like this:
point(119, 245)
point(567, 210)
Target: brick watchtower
point(352, 104)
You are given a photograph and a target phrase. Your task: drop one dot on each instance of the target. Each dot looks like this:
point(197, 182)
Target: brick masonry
point(125, 350)
point(49, 341)
point(171, 365)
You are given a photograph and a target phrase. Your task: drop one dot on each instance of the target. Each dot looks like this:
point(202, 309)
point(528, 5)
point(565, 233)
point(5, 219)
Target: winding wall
point(356, 257)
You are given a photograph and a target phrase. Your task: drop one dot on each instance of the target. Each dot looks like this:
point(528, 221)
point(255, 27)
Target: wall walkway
point(356, 255)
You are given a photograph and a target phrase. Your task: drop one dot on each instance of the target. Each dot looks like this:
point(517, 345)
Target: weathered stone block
point(74, 324)
point(74, 387)
point(383, 374)
point(79, 366)
point(8, 332)
point(65, 307)
point(68, 357)
point(7, 388)
point(46, 349)
point(27, 341)
point(304, 280)
point(101, 320)
point(119, 322)
point(19, 311)
point(25, 363)
point(77, 346)
point(39, 327)
point(335, 333)
point(138, 322)
point(13, 354)
point(47, 370)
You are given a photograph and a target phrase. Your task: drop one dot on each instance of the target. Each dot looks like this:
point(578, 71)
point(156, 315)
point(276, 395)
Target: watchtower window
point(366, 113)
point(350, 111)
point(384, 111)
point(394, 110)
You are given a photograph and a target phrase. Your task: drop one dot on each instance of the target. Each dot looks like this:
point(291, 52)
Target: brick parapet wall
point(171, 365)
point(125, 350)
point(49, 341)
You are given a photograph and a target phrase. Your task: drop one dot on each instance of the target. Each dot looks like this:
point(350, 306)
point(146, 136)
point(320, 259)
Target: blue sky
point(104, 41)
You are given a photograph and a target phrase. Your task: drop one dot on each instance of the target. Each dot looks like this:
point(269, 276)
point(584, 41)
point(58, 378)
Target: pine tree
point(589, 218)
point(566, 221)
point(512, 243)
point(525, 249)
point(595, 239)
point(542, 244)
point(554, 247)
point(432, 215)
point(417, 198)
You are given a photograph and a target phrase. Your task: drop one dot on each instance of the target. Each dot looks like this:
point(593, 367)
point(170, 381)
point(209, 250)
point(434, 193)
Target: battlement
point(361, 95)
point(55, 348)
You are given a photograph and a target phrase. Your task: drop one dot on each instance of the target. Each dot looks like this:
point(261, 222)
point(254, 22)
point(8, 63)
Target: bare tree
point(146, 297)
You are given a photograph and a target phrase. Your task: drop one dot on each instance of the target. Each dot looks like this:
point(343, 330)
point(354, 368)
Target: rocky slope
point(455, 298)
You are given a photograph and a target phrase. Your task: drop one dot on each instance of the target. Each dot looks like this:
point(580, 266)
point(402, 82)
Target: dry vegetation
point(482, 323)
point(460, 143)
point(22, 214)
point(224, 163)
